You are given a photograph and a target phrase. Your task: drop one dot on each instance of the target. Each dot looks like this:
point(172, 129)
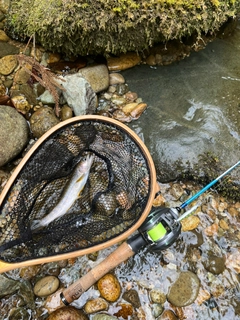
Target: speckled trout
point(70, 193)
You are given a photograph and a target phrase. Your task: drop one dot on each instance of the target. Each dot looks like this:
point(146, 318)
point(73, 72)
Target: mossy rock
point(83, 27)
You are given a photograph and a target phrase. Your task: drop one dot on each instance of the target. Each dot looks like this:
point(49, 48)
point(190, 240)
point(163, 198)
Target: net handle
point(74, 291)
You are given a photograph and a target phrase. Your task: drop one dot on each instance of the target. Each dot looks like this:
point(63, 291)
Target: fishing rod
point(159, 231)
point(162, 226)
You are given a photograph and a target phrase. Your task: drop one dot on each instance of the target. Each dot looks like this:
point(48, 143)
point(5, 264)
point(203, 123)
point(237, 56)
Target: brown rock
point(8, 64)
point(109, 287)
point(190, 223)
point(21, 104)
point(95, 305)
point(136, 112)
point(3, 36)
point(97, 76)
point(125, 312)
point(123, 62)
point(168, 315)
point(116, 78)
point(42, 120)
point(67, 313)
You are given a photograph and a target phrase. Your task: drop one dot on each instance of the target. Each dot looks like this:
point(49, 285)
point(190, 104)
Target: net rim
point(153, 188)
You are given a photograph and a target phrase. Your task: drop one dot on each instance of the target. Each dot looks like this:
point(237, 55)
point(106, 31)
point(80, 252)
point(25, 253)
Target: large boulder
point(114, 26)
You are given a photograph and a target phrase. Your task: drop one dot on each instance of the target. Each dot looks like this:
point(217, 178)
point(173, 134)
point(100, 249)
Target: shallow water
point(193, 106)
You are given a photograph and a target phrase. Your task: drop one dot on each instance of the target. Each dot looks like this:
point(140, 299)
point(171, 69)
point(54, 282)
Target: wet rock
point(176, 191)
point(8, 64)
point(157, 296)
point(67, 313)
point(214, 264)
point(233, 260)
point(46, 286)
point(13, 130)
point(168, 315)
point(103, 317)
point(132, 297)
point(28, 273)
point(3, 36)
point(42, 120)
point(211, 230)
point(27, 91)
point(116, 78)
point(8, 286)
point(97, 76)
point(121, 116)
point(109, 287)
point(136, 112)
point(66, 113)
point(22, 76)
point(18, 314)
point(21, 104)
point(47, 98)
point(7, 49)
point(26, 292)
point(125, 310)
point(184, 290)
point(192, 238)
point(95, 305)
point(128, 108)
point(123, 61)
point(79, 94)
point(190, 223)
point(131, 96)
point(121, 89)
point(157, 309)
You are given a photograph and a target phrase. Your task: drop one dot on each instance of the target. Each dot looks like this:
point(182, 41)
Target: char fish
point(70, 193)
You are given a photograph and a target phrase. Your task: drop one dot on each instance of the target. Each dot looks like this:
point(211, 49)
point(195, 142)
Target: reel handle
point(74, 291)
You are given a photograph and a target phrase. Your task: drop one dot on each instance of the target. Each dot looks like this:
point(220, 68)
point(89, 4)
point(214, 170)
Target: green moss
point(113, 26)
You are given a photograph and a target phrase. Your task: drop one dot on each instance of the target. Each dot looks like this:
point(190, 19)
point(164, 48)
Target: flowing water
point(193, 106)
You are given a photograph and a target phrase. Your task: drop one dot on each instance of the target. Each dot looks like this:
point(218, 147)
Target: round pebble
point(8, 64)
point(184, 290)
point(46, 286)
point(95, 305)
point(109, 287)
point(67, 313)
point(42, 120)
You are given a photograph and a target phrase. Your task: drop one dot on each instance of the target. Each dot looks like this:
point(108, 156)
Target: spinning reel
point(162, 226)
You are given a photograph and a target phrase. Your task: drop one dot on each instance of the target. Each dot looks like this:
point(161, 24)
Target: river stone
point(19, 313)
point(168, 315)
point(123, 61)
point(109, 287)
point(132, 297)
point(21, 104)
point(95, 305)
point(102, 316)
point(67, 313)
point(116, 78)
point(79, 94)
point(7, 49)
point(7, 286)
point(97, 76)
point(46, 286)
point(8, 64)
point(3, 36)
point(14, 133)
point(214, 264)
point(157, 296)
point(42, 120)
point(184, 290)
point(190, 223)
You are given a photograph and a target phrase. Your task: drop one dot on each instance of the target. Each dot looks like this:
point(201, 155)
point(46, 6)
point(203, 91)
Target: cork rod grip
point(74, 291)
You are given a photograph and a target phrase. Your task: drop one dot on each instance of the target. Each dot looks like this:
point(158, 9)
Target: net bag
point(43, 215)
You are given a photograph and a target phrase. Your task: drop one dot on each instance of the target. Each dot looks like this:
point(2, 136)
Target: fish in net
point(112, 199)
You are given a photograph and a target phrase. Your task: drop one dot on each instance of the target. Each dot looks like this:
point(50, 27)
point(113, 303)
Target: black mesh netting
point(111, 201)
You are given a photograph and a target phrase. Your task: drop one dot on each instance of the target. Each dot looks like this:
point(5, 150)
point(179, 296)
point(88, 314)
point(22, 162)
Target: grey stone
point(79, 94)
point(14, 133)
point(7, 49)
